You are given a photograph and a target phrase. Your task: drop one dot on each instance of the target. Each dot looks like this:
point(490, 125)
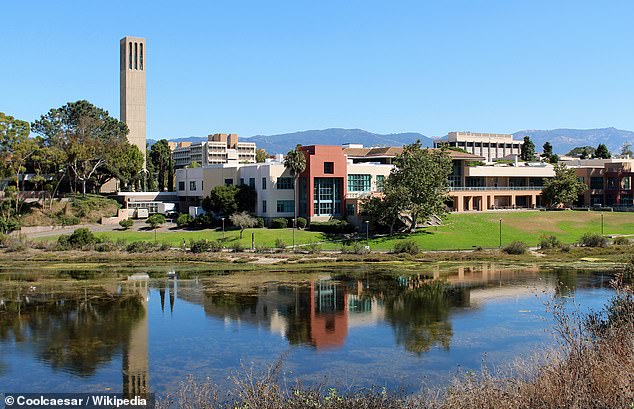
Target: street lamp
point(602, 224)
point(223, 228)
point(293, 235)
point(367, 233)
point(500, 233)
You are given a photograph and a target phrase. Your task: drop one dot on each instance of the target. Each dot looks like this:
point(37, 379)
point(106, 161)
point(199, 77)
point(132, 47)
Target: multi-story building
point(608, 181)
point(490, 146)
point(337, 179)
point(218, 149)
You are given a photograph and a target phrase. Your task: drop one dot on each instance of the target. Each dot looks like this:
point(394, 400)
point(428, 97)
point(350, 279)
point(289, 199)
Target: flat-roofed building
point(608, 181)
point(490, 146)
point(218, 149)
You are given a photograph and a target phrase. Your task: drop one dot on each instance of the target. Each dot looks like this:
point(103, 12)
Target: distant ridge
point(563, 140)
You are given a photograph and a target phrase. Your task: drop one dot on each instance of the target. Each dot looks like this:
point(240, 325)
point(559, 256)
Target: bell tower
point(133, 63)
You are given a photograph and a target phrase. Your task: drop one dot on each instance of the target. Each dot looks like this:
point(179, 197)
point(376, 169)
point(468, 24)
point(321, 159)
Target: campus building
point(608, 181)
point(490, 146)
point(218, 149)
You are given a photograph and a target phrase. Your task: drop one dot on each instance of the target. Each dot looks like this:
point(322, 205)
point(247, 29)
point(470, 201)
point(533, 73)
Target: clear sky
point(265, 67)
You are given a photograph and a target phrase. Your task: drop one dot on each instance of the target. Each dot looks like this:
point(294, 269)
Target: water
point(73, 332)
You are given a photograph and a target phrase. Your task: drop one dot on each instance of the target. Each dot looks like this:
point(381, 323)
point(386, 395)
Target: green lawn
point(459, 231)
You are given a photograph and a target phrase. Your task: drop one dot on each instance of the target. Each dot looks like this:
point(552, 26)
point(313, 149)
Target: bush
point(621, 241)
point(201, 246)
point(334, 226)
point(146, 247)
point(106, 246)
point(184, 219)
point(236, 247)
point(8, 224)
point(67, 219)
point(406, 246)
point(313, 248)
point(301, 222)
point(516, 247)
point(593, 240)
point(156, 220)
point(279, 243)
point(259, 222)
point(356, 247)
point(80, 239)
point(126, 223)
point(549, 242)
point(279, 223)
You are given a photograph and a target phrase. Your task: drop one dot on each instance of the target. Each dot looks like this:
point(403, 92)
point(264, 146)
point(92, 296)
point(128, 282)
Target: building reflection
point(135, 360)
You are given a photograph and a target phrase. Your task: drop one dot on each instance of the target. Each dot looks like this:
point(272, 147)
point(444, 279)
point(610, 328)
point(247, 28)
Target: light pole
point(367, 233)
point(293, 235)
point(602, 225)
point(500, 233)
point(223, 228)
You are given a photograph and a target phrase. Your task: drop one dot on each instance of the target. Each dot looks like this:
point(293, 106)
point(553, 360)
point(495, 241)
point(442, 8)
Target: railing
point(495, 188)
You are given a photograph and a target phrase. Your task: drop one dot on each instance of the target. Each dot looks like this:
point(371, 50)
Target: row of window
point(137, 62)
point(283, 206)
point(597, 182)
point(363, 183)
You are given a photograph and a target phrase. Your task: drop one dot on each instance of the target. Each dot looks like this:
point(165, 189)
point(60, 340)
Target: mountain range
point(563, 140)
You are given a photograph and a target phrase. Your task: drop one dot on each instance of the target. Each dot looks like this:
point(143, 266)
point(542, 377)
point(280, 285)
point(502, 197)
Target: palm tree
point(295, 162)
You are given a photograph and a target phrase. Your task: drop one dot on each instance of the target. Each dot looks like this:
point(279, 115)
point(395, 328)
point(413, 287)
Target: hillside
point(563, 140)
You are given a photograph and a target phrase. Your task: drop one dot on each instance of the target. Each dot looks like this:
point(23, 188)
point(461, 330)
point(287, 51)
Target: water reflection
point(78, 330)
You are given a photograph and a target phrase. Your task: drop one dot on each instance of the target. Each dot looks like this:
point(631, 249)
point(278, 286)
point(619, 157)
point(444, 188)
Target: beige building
point(218, 149)
point(132, 90)
point(490, 146)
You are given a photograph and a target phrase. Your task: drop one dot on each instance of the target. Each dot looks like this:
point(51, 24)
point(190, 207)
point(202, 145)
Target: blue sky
point(265, 67)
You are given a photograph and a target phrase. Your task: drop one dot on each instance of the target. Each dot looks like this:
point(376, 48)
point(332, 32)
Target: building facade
point(490, 146)
point(608, 181)
point(218, 149)
point(132, 104)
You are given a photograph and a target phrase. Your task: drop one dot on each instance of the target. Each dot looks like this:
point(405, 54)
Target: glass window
point(596, 182)
point(350, 209)
point(181, 186)
point(263, 206)
point(328, 194)
point(285, 206)
point(252, 182)
point(380, 182)
point(192, 185)
point(612, 183)
point(285, 183)
point(263, 183)
point(359, 183)
point(141, 56)
point(228, 182)
point(627, 182)
point(329, 168)
point(241, 181)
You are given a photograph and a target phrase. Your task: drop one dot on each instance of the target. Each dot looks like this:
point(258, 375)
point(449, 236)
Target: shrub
point(184, 219)
point(201, 246)
point(356, 247)
point(301, 222)
point(68, 219)
point(313, 248)
point(156, 220)
point(260, 248)
point(279, 243)
point(259, 222)
point(516, 247)
point(279, 223)
point(236, 247)
point(126, 223)
point(80, 238)
point(334, 226)
point(593, 240)
point(108, 245)
point(8, 224)
point(146, 247)
point(549, 242)
point(406, 246)
point(621, 241)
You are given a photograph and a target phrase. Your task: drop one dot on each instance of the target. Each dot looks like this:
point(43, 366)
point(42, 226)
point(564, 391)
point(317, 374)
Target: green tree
point(16, 149)
point(626, 149)
point(261, 155)
point(581, 151)
point(161, 158)
point(193, 165)
point(295, 162)
point(383, 212)
point(125, 164)
point(420, 180)
point(527, 153)
point(88, 135)
point(221, 200)
point(563, 188)
point(243, 220)
point(602, 152)
point(155, 221)
point(548, 152)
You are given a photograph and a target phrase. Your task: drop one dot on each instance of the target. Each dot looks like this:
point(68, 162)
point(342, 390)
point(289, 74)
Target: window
point(141, 57)
point(263, 183)
point(380, 182)
point(130, 56)
point(228, 182)
point(626, 182)
point(241, 181)
point(181, 186)
point(596, 182)
point(284, 183)
point(359, 183)
point(329, 168)
point(350, 209)
point(252, 182)
point(263, 206)
point(328, 194)
point(136, 58)
point(581, 179)
point(285, 206)
point(612, 183)
point(192, 185)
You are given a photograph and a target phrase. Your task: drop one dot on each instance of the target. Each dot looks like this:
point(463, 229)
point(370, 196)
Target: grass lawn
point(459, 231)
point(462, 231)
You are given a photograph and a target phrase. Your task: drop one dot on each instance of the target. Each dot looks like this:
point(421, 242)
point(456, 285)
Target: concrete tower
point(132, 89)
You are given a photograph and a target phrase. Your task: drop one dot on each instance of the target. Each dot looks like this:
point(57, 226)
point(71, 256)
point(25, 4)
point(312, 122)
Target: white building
point(490, 146)
point(218, 149)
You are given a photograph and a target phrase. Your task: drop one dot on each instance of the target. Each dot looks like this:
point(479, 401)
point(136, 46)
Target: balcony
point(495, 188)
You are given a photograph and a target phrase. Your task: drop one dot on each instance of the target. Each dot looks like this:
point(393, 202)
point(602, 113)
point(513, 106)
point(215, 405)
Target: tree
point(383, 212)
point(16, 148)
point(261, 155)
point(125, 164)
point(563, 188)
point(626, 149)
point(581, 151)
point(243, 220)
point(161, 158)
point(295, 162)
point(230, 199)
point(528, 150)
point(548, 152)
point(88, 135)
point(155, 221)
point(602, 152)
point(420, 180)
